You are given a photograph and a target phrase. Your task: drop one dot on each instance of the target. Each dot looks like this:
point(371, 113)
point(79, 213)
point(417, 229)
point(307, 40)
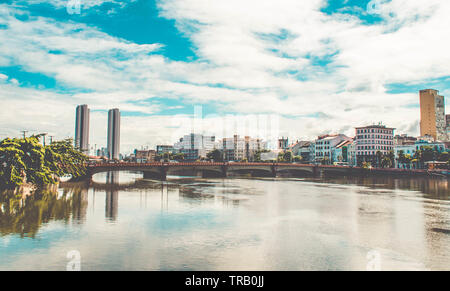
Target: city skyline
point(323, 67)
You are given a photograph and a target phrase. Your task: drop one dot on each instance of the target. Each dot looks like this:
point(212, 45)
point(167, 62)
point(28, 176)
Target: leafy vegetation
point(166, 157)
point(26, 160)
point(215, 155)
point(26, 216)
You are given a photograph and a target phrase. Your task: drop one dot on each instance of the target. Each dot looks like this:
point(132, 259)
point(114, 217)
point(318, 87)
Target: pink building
point(372, 139)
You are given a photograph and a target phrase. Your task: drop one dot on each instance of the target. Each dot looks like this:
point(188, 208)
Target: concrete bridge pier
point(318, 172)
point(161, 175)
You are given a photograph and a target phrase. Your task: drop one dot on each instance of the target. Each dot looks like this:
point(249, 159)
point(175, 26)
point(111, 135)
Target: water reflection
point(112, 196)
point(26, 216)
point(434, 187)
point(230, 224)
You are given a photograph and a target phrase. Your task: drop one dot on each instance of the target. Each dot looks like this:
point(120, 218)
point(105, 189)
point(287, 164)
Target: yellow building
point(432, 114)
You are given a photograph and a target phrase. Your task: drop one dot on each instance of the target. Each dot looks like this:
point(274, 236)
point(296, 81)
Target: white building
point(195, 146)
point(325, 145)
point(239, 148)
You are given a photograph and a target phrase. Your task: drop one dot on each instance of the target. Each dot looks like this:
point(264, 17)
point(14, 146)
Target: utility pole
point(24, 133)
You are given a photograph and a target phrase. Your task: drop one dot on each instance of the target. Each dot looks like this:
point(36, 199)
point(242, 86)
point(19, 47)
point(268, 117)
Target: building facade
point(144, 156)
point(283, 143)
point(447, 118)
point(372, 139)
point(195, 146)
point(302, 149)
point(432, 114)
point(341, 152)
point(82, 128)
point(114, 134)
point(404, 139)
point(325, 147)
point(238, 148)
point(162, 149)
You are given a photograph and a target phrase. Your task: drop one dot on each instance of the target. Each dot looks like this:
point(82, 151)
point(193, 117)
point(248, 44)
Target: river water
point(122, 222)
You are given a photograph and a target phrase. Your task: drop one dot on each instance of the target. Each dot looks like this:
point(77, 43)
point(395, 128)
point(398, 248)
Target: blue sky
point(320, 66)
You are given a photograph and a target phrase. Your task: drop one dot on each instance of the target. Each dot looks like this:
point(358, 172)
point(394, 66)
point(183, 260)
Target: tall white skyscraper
point(114, 134)
point(82, 128)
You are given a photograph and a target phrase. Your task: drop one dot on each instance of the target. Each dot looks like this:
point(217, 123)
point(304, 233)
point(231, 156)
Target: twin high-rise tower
point(114, 134)
point(82, 131)
point(82, 128)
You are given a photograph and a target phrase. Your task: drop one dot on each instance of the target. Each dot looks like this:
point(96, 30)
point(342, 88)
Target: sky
point(295, 68)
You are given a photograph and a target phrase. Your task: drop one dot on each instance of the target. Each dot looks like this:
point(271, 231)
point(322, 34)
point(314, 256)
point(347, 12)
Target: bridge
point(160, 171)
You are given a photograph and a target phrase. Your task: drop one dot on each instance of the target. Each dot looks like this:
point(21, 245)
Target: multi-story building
point(404, 139)
point(325, 146)
point(301, 148)
point(161, 149)
point(447, 118)
point(341, 152)
point(283, 143)
point(411, 149)
point(407, 150)
point(372, 139)
point(102, 152)
point(438, 146)
point(82, 128)
point(114, 134)
point(195, 146)
point(352, 154)
point(239, 148)
point(432, 114)
point(144, 156)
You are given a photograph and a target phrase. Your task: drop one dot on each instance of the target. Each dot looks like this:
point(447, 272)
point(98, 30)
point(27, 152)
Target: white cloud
point(253, 57)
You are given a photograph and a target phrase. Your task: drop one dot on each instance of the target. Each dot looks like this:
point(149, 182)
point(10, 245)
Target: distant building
point(447, 117)
point(427, 138)
point(407, 150)
point(351, 156)
point(303, 149)
point(432, 114)
point(102, 152)
point(82, 128)
point(404, 139)
point(239, 148)
point(412, 149)
point(162, 149)
point(283, 143)
point(144, 156)
point(341, 152)
point(195, 146)
point(114, 134)
point(372, 139)
point(325, 146)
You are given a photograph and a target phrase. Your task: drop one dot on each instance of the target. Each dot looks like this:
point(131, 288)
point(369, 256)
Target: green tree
point(379, 158)
point(288, 156)
point(366, 165)
point(178, 157)
point(325, 161)
point(27, 160)
point(215, 155)
point(298, 159)
point(257, 156)
point(63, 158)
point(280, 157)
point(386, 162)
